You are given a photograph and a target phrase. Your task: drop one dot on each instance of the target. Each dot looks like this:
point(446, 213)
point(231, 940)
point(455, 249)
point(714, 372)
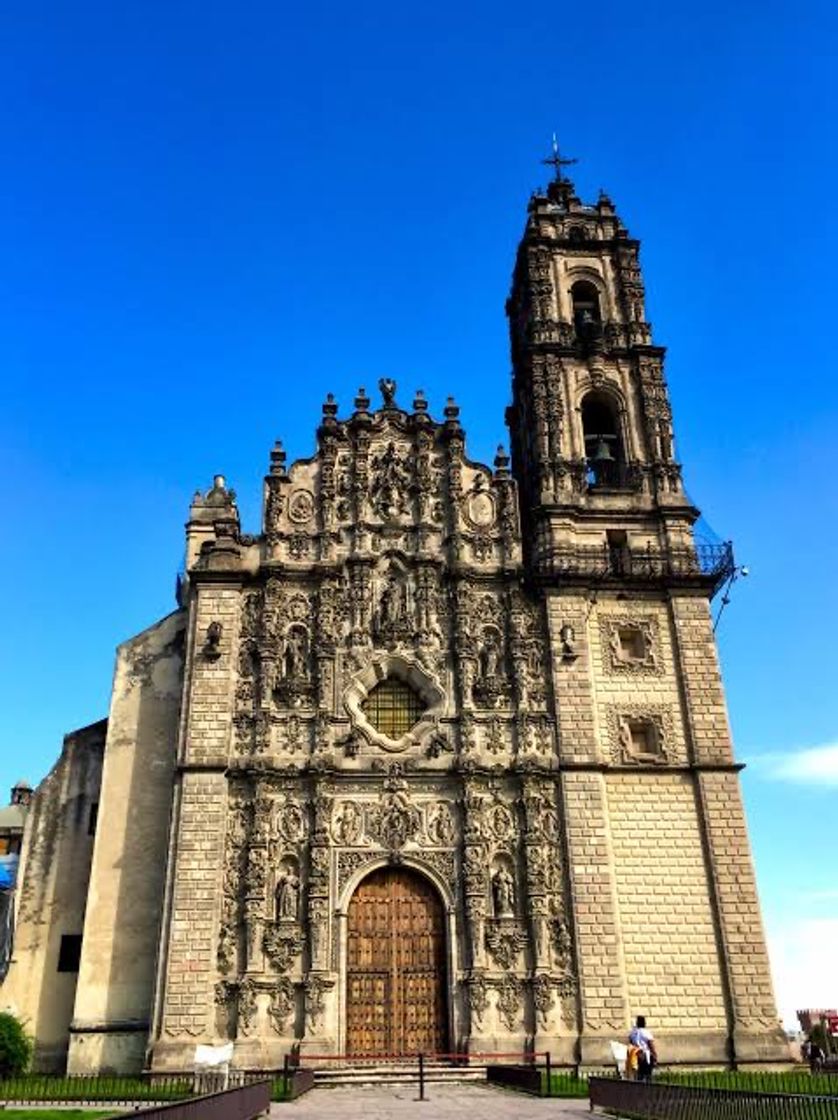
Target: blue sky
point(211, 215)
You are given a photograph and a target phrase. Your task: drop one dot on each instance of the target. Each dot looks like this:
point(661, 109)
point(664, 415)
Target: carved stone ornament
point(347, 823)
point(642, 734)
point(480, 504)
point(542, 987)
point(301, 507)
point(440, 827)
point(282, 943)
point(631, 644)
point(478, 998)
point(350, 862)
point(212, 641)
point(505, 938)
point(315, 989)
point(390, 483)
point(281, 1005)
point(395, 821)
point(246, 1007)
point(442, 862)
point(509, 1000)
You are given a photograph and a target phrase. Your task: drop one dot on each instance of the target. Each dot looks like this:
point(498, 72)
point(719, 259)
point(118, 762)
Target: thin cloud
point(806, 766)
point(804, 974)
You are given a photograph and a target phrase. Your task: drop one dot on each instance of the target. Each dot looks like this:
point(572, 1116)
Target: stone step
point(396, 1073)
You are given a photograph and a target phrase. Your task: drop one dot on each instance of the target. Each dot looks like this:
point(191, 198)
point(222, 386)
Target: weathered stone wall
point(122, 925)
point(52, 894)
point(673, 970)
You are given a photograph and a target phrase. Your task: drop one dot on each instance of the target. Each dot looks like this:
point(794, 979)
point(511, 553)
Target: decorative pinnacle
point(557, 162)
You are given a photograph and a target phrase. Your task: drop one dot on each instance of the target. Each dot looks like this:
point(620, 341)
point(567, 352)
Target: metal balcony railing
point(705, 565)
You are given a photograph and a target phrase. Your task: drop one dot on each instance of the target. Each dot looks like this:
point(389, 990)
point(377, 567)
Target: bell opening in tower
point(603, 443)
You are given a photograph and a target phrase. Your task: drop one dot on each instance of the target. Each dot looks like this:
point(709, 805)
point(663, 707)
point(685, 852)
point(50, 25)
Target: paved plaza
point(380, 1102)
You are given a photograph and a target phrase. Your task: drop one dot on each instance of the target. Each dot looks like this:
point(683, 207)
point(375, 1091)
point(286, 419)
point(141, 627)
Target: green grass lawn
point(564, 1084)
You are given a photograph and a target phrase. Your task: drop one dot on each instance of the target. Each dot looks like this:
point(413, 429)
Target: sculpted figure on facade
point(503, 892)
point(391, 483)
point(287, 895)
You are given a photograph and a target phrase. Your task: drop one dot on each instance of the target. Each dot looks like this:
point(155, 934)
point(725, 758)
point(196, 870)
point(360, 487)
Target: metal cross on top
point(556, 161)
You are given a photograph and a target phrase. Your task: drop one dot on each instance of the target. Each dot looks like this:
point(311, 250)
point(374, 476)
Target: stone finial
point(362, 401)
point(219, 495)
point(501, 463)
point(420, 404)
point(278, 458)
point(330, 406)
point(452, 409)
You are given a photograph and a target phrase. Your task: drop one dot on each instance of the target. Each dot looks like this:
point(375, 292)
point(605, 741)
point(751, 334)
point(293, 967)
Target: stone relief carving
point(505, 938)
point(508, 990)
point(315, 991)
point(281, 1005)
point(390, 483)
point(440, 827)
point(282, 943)
point(395, 820)
point(347, 823)
point(246, 1007)
point(642, 734)
point(631, 644)
point(478, 998)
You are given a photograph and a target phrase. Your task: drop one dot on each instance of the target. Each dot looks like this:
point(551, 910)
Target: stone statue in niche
point(394, 619)
point(503, 893)
point(390, 483)
point(287, 895)
point(392, 604)
point(295, 686)
point(490, 655)
point(296, 653)
point(490, 688)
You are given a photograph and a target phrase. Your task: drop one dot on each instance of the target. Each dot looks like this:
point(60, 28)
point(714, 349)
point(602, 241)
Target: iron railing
point(245, 1102)
point(662, 1101)
point(705, 565)
point(146, 1087)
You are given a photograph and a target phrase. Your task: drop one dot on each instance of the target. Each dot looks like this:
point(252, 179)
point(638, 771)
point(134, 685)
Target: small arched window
point(603, 443)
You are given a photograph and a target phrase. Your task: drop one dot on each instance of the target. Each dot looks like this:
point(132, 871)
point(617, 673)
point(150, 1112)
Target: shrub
point(15, 1046)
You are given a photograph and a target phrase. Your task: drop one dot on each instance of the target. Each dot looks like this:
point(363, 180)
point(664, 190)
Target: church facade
point(439, 760)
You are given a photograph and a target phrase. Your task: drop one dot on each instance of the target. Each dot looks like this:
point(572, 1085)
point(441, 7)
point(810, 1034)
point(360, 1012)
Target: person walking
point(642, 1039)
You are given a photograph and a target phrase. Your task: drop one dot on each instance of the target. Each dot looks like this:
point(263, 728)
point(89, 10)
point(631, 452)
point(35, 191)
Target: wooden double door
point(396, 971)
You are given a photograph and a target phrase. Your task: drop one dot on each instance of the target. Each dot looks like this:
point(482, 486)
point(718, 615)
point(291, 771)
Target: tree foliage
point(15, 1046)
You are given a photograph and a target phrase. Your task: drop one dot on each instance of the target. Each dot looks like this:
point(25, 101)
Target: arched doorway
point(396, 987)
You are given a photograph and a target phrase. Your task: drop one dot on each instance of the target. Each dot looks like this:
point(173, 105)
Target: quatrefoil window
point(393, 708)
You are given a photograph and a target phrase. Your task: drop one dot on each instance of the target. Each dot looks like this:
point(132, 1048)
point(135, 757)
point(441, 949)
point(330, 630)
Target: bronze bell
point(603, 451)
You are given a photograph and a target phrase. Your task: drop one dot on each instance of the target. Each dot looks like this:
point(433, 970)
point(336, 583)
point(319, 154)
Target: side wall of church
point(122, 924)
point(52, 893)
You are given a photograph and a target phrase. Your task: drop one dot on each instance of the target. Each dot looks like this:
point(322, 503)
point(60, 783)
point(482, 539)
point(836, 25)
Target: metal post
point(421, 1077)
point(285, 1064)
point(549, 1092)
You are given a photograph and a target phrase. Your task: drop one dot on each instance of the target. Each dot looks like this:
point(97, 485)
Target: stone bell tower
point(667, 919)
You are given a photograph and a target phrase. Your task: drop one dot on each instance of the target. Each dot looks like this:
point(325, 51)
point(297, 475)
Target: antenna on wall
point(738, 571)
